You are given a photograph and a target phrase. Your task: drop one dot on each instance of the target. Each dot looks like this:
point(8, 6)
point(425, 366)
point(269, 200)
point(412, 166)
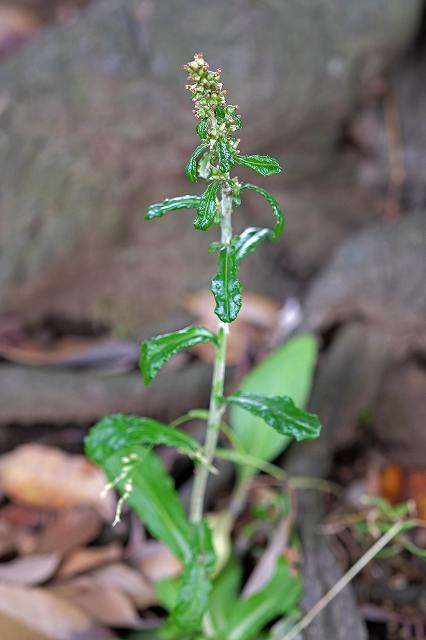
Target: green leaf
point(278, 597)
point(223, 598)
point(203, 165)
point(237, 120)
point(226, 287)
point(202, 129)
point(160, 209)
point(265, 165)
point(249, 239)
point(191, 167)
point(207, 207)
point(155, 352)
point(279, 225)
point(286, 371)
point(113, 433)
point(225, 154)
point(152, 496)
point(196, 585)
point(280, 413)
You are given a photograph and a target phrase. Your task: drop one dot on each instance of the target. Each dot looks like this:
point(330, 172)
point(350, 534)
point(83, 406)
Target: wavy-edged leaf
point(196, 584)
point(202, 129)
point(152, 496)
point(280, 413)
point(249, 240)
point(191, 166)
point(278, 597)
point(226, 287)
point(204, 165)
point(225, 154)
point(168, 205)
point(113, 433)
point(265, 165)
point(286, 371)
point(207, 207)
point(155, 352)
point(276, 209)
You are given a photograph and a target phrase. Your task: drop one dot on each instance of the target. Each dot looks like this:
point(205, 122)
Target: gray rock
point(95, 123)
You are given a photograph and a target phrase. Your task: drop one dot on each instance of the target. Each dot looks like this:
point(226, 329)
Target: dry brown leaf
point(127, 580)
point(107, 606)
point(35, 614)
point(47, 477)
point(29, 570)
point(82, 560)
point(68, 530)
point(259, 316)
point(72, 352)
point(157, 562)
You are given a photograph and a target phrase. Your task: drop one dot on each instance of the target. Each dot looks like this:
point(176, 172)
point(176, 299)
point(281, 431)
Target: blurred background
point(95, 124)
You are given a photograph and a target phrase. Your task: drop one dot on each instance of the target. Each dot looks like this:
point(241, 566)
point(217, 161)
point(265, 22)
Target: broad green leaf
point(113, 433)
point(249, 239)
point(196, 584)
point(191, 167)
point(265, 165)
point(286, 371)
point(225, 154)
point(276, 209)
point(280, 413)
point(207, 207)
point(223, 598)
point(226, 287)
point(152, 496)
point(202, 129)
point(160, 209)
point(155, 352)
point(279, 596)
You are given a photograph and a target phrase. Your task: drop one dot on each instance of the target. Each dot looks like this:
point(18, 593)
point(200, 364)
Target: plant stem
point(216, 407)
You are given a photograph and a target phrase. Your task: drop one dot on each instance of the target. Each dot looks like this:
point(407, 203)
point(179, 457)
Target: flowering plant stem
point(216, 407)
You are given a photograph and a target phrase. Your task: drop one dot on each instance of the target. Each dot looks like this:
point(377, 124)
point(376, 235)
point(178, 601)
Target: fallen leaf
point(34, 614)
point(29, 570)
point(392, 483)
point(47, 477)
point(157, 562)
point(416, 485)
point(104, 605)
point(127, 580)
point(85, 559)
point(74, 352)
point(258, 318)
point(68, 530)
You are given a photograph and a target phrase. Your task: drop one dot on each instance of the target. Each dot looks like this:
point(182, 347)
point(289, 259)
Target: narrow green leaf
point(168, 205)
point(223, 598)
point(155, 352)
point(249, 239)
point(196, 585)
point(277, 598)
point(191, 167)
point(113, 433)
point(225, 154)
point(202, 129)
point(280, 413)
point(226, 287)
point(286, 371)
point(276, 209)
point(152, 496)
point(265, 165)
point(207, 207)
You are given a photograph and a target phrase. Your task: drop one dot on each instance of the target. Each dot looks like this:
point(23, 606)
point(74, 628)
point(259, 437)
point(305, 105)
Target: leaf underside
point(276, 209)
point(168, 205)
point(207, 207)
point(191, 166)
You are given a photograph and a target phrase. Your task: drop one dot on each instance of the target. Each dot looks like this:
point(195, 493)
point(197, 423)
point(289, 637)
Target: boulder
point(95, 124)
